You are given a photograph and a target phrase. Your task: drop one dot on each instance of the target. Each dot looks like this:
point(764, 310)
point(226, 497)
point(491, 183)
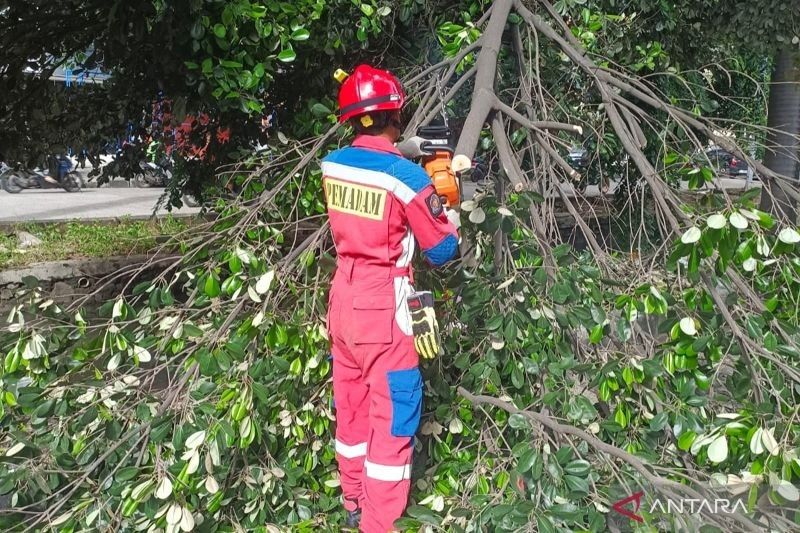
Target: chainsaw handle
point(430, 146)
point(412, 148)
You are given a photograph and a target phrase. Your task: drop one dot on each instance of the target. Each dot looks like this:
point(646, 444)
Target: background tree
point(710, 31)
point(234, 60)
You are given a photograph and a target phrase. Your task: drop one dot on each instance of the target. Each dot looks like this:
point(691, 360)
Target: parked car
point(727, 164)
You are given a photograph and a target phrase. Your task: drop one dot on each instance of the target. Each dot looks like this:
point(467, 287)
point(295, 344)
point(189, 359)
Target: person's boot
point(353, 519)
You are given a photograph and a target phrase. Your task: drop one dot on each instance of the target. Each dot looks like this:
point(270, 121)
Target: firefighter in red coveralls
point(379, 204)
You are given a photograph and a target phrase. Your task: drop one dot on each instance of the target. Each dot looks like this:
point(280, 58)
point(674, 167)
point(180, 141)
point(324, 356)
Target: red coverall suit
point(378, 202)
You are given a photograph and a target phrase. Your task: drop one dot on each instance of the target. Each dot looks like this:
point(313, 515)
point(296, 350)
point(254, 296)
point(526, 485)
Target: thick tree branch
point(483, 95)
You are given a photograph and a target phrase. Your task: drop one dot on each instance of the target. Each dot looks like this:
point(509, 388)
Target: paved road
point(59, 205)
point(120, 200)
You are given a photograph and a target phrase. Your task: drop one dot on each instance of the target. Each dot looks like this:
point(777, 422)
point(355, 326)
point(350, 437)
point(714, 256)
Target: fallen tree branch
point(661, 484)
point(517, 178)
point(536, 125)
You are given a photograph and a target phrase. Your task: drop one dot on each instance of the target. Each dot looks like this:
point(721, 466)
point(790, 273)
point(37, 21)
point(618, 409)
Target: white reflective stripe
point(351, 452)
point(402, 315)
point(408, 249)
point(369, 177)
point(387, 472)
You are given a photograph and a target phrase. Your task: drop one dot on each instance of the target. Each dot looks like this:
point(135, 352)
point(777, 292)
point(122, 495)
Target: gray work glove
point(412, 148)
point(453, 216)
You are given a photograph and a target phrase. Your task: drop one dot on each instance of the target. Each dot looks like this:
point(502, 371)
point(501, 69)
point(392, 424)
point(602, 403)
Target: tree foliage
point(234, 60)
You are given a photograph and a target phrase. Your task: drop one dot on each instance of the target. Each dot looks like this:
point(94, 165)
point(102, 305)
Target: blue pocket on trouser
point(405, 390)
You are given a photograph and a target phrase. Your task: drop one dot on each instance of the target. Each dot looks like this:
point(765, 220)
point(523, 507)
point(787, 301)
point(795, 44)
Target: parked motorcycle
point(190, 200)
point(5, 171)
point(153, 174)
point(60, 167)
point(579, 159)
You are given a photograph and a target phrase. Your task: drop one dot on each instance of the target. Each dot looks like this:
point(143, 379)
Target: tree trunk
point(783, 121)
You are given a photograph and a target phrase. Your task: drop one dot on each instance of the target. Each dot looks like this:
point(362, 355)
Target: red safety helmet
point(369, 89)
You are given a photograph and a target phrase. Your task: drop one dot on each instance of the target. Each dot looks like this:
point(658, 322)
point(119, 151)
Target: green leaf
point(495, 323)
point(578, 467)
point(718, 449)
point(620, 417)
point(320, 110)
point(45, 409)
point(262, 393)
point(577, 484)
point(686, 439)
point(287, 55)
point(190, 330)
point(165, 296)
point(407, 524)
point(212, 286)
point(510, 331)
point(566, 511)
point(367, 9)
point(526, 461)
point(545, 525)
point(770, 341)
point(141, 288)
point(561, 293)
point(8, 398)
point(597, 334)
point(220, 31)
point(765, 219)
point(424, 514)
point(234, 264)
point(300, 34)
point(127, 473)
point(296, 367)
point(518, 421)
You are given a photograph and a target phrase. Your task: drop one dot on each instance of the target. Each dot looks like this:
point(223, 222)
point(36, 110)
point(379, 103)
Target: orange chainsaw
point(438, 163)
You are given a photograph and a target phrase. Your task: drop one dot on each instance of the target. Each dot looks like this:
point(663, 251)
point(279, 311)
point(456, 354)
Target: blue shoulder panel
point(411, 174)
point(333, 157)
point(366, 159)
point(406, 171)
point(442, 252)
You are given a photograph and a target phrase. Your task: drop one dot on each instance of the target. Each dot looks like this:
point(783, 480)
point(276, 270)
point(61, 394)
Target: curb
point(71, 268)
point(10, 224)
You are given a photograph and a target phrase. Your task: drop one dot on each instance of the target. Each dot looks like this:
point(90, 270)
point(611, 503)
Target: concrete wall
point(66, 281)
